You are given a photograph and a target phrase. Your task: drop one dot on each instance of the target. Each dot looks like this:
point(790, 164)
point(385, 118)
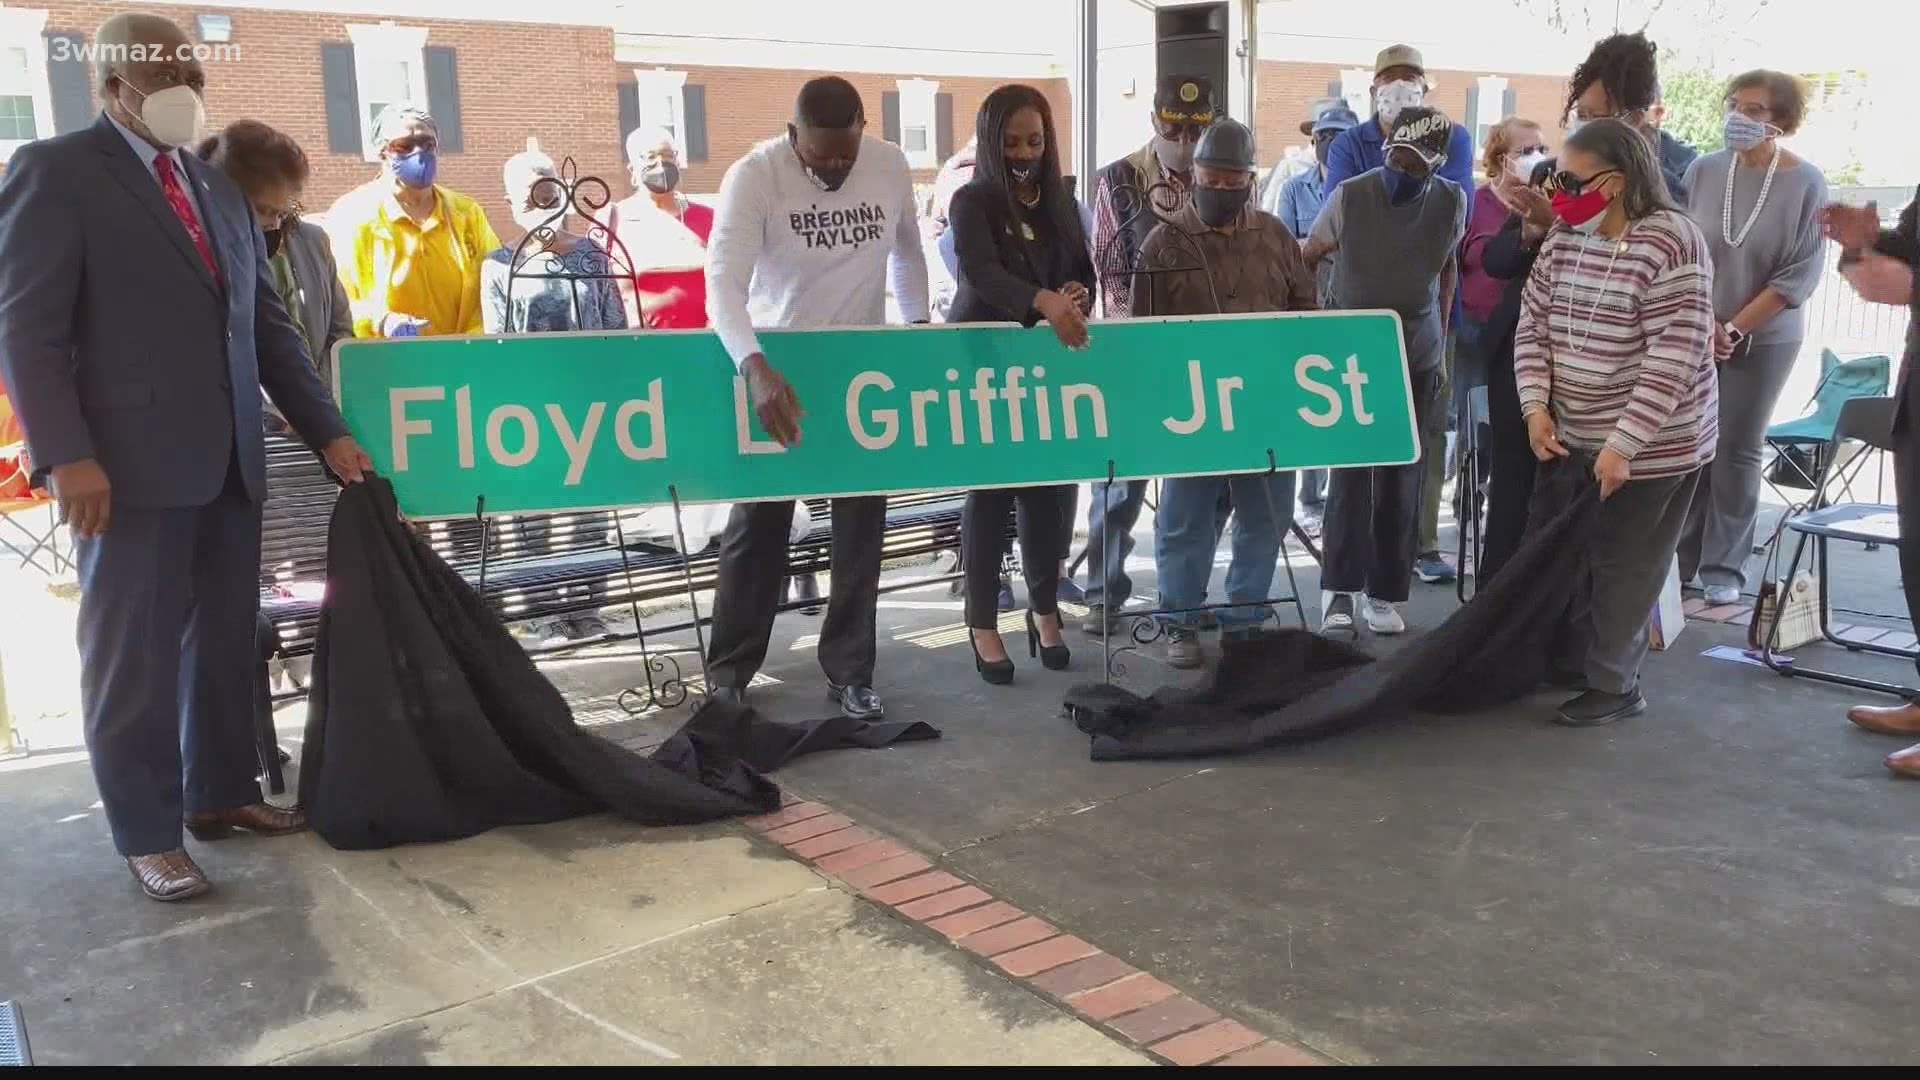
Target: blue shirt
point(1361, 149)
point(145, 151)
point(1301, 198)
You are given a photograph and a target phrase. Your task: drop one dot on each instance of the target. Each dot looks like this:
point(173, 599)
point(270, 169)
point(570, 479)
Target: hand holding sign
point(774, 401)
point(1064, 316)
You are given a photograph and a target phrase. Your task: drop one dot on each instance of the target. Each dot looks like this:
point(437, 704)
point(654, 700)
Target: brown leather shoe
point(168, 875)
point(1897, 720)
point(260, 819)
point(1906, 762)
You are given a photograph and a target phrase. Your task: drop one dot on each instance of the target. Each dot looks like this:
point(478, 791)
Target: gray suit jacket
point(117, 344)
point(324, 310)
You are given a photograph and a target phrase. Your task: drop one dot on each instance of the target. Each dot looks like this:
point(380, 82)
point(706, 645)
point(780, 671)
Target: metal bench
point(537, 566)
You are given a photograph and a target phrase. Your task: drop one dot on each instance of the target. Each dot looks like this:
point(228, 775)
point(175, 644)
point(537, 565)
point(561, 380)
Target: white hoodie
point(784, 253)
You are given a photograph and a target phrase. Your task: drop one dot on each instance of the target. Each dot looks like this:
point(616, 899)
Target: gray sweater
point(1784, 249)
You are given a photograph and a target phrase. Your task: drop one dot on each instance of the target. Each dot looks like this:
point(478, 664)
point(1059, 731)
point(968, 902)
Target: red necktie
point(182, 209)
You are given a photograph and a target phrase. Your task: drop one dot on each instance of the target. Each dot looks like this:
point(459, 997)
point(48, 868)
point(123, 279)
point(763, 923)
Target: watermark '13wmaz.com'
point(66, 48)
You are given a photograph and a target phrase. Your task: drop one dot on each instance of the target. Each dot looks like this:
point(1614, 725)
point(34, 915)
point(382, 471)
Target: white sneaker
point(1722, 595)
point(1383, 617)
point(1337, 609)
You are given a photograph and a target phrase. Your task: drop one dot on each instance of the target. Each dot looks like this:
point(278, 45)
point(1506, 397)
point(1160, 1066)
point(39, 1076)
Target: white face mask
point(174, 115)
point(1574, 124)
point(1395, 96)
point(1523, 167)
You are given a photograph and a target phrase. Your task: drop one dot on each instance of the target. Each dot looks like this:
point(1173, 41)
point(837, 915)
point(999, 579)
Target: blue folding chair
point(1864, 376)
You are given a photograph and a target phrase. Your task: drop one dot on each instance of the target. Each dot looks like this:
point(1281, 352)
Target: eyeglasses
point(1170, 129)
point(1523, 151)
point(1752, 111)
point(1631, 117)
point(409, 144)
point(1574, 185)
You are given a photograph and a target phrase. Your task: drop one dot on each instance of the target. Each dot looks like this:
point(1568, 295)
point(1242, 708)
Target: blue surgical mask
point(1745, 133)
point(416, 169)
point(1404, 187)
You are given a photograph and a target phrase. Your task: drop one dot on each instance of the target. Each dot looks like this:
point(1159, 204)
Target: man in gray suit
point(137, 318)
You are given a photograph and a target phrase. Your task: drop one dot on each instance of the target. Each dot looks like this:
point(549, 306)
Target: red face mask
point(1577, 210)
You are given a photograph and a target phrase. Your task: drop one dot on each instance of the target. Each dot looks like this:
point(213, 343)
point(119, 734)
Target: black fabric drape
point(1295, 686)
point(427, 721)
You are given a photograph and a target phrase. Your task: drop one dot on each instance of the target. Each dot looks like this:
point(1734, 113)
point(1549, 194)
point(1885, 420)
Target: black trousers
point(1510, 467)
point(753, 565)
point(1906, 489)
point(1371, 529)
point(1040, 515)
point(1629, 553)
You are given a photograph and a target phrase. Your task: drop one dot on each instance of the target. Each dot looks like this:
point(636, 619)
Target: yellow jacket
point(391, 264)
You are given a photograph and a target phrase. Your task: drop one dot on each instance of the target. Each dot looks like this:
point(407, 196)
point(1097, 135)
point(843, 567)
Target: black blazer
point(1507, 258)
point(1903, 243)
point(1000, 269)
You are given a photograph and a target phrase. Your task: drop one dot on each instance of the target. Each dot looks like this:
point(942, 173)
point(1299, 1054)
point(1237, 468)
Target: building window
point(663, 105)
point(1489, 106)
point(917, 108)
point(389, 68)
point(1356, 85)
point(26, 100)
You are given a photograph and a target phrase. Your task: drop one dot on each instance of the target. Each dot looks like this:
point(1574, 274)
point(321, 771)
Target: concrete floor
point(584, 942)
point(1723, 880)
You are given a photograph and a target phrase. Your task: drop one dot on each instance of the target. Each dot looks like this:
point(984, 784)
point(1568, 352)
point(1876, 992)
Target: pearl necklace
point(1606, 282)
point(1726, 205)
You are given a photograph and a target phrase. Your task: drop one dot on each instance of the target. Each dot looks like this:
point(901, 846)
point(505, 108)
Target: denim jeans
point(1111, 516)
point(1185, 534)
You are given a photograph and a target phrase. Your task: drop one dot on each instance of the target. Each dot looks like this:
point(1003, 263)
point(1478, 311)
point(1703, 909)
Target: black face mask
point(1023, 170)
point(828, 179)
point(275, 236)
point(660, 177)
point(1219, 206)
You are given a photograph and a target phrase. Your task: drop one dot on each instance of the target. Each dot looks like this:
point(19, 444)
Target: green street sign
point(587, 420)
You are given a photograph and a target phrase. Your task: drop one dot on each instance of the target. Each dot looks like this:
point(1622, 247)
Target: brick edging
point(1099, 988)
point(1699, 610)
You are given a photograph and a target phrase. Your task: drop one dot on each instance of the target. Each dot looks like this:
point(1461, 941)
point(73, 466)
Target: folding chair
point(1469, 497)
point(1861, 377)
point(1869, 422)
point(33, 542)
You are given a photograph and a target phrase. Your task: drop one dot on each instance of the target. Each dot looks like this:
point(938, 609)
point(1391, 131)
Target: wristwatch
point(1735, 334)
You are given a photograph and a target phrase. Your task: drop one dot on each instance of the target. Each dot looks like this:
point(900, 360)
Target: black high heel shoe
point(997, 672)
point(1052, 657)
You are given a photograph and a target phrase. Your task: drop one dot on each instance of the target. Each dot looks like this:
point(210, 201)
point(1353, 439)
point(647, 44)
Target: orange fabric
point(14, 470)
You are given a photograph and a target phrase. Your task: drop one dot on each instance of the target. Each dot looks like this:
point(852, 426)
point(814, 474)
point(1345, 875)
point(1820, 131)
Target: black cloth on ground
point(1295, 686)
point(427, 721)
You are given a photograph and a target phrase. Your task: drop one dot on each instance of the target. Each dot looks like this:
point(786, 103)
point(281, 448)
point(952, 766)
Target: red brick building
point(319, 69)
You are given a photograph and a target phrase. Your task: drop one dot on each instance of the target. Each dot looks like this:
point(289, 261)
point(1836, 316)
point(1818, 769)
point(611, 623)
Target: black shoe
point(856, 702)
point(1052, 657)
point(727, 695)
point(1597, 707)
point(1006, 601)
point(996, 672)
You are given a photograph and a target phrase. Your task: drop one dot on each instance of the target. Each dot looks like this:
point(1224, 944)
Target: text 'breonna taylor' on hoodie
point(786, 253)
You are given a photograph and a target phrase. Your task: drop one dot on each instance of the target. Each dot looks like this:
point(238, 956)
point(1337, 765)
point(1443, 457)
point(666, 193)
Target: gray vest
point(1391, 257)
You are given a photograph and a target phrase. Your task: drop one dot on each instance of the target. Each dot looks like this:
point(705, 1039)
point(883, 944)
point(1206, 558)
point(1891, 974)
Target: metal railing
point(1837, 319)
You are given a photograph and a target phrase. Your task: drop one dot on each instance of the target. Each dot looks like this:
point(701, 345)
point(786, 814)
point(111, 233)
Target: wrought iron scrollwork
point(663, 693)
point(1138, 212)
point(603, 258)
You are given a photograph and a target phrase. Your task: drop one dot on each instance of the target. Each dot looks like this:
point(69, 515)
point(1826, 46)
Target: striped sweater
point(1616, 338)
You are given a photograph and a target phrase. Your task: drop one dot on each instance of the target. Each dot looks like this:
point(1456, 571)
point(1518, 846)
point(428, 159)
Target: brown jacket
point(1256, 267)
